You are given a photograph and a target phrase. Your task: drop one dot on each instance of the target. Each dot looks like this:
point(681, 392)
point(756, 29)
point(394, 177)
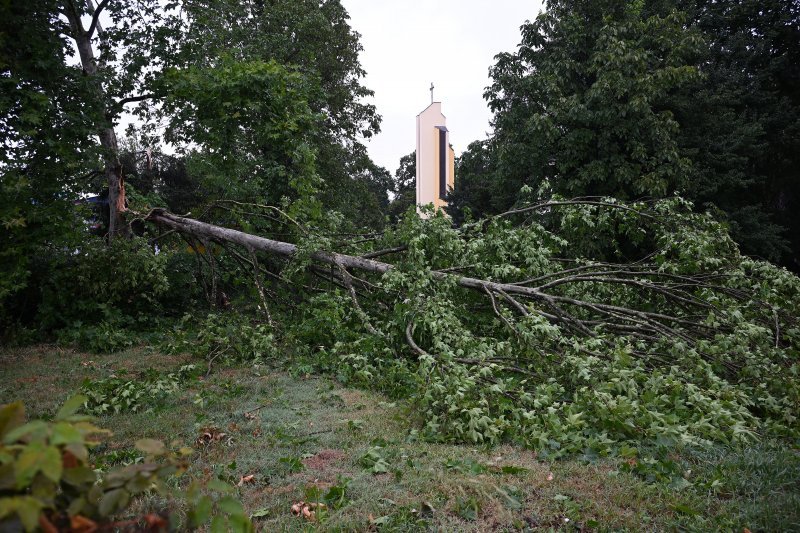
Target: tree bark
point(108, 138)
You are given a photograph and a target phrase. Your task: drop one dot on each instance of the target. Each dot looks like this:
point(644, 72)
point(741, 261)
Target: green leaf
point(65, 433)
point(26, 507)
point(138, 484)
point(71, 406)
point(112, 501)
point(218, 524)
point(79, 476)
point(151, 446)
point(37, 457)
point(231, 506)
point(201, 511)
point(511, 495)
point(380, 467)
point(684, 509)
point(11, 416)
point(38, 427)
point(220, 486)
point(260, 513)
point(240, 524)
point(680, 483)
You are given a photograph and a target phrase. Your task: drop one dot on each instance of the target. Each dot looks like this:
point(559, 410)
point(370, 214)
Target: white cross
point(431, 92)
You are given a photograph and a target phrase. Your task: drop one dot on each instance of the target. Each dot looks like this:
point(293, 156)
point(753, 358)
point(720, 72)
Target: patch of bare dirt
point(323, 459)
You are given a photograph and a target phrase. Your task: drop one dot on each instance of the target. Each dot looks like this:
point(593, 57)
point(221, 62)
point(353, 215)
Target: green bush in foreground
point(47, 481)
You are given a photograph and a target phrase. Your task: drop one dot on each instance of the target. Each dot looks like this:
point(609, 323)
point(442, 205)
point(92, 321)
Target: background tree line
point(643, 99)
point(231, 101)
point(263, 102)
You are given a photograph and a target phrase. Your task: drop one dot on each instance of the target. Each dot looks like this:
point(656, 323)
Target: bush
point(223, 337)
point(113, 283)
point(117, 395)
point(46, 479)
point(108, 336)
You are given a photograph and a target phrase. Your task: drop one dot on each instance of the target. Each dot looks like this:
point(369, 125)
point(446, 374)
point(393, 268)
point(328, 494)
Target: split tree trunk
point(108, 138)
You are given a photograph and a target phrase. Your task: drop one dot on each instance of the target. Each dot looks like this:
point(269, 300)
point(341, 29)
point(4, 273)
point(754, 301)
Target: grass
point(302, 437)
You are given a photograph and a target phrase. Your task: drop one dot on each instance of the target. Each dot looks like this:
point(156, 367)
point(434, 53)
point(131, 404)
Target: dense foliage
point(639, 99)
point(580, 105)
point(687, 343)
point(254, 104)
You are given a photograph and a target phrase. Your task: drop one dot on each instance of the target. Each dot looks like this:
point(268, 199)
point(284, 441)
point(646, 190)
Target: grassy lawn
point(299, 434)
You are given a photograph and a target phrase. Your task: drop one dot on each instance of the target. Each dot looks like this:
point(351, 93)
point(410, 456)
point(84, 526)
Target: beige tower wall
point(427, 161)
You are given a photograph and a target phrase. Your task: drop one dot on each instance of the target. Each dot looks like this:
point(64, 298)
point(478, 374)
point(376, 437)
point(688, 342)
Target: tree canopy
point(645, 99)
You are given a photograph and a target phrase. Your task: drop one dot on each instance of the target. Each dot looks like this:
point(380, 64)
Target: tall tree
point(46, 150)
point(314, 39)
point(644, 98)
point(475, 185)
point(580, 105)
point(740, 124)
point(404, 187)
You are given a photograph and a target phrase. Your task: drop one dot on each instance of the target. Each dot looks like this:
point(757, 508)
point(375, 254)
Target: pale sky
point(410, 43)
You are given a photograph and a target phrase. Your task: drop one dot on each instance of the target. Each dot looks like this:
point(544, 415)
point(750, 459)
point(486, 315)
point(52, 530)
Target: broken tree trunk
point(204, 230)
point(580, 316)
point(108, 138)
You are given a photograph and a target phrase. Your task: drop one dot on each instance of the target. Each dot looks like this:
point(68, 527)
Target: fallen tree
point(529, 327)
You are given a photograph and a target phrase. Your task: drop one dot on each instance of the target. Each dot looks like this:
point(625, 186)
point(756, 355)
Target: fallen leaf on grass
point(210, 435)
point(246, 479)
point(81, 524)
point(156, 522)
point(306, 509)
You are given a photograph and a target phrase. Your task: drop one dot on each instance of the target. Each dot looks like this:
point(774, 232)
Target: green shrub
point(47, 482)
point(117, 395)
point(223, 337)
point(101, 282)
point(108, 336)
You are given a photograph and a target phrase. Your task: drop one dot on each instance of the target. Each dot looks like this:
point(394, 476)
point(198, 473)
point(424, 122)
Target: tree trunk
point(108, 138)
point(204, 230)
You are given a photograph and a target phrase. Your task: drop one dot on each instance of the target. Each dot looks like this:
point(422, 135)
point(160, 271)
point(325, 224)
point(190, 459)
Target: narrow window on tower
point(442, 163)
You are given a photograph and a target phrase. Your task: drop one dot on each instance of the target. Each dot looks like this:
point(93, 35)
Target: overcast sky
point(410, 43)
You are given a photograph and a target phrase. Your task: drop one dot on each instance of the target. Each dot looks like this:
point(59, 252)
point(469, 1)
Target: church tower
point(435, 157)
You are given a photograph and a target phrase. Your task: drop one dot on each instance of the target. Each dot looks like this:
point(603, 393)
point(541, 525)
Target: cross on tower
point(431, 92)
